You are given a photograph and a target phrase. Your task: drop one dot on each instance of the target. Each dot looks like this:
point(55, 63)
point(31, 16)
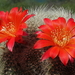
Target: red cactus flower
point(12, 24)
point(60, 35)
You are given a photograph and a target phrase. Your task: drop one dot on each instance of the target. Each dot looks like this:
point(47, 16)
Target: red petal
point(42, 43)
point(70, 23)
point(71, 50)
point(27, 17)
point(23, 25)
point(62, 21)
point(19, 39)
point(15, 9)
point(20, 32)
point(51, 52)
point(6, 17)
point(46, 55)
point(45, 29)
point(13, 15)
point(71, 58)
point(20, 10)
point(2, 14)
point(24, 13)
point(49, 23)
point(54, 52)
point(21, 15)
point(10, 44)
point(38, 32)
point(63, 56)
point(55, 22)
point(3, 39)
point(44, 36)
point(24, 33)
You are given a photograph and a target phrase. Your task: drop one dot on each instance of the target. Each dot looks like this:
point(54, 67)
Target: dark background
point(6, 5)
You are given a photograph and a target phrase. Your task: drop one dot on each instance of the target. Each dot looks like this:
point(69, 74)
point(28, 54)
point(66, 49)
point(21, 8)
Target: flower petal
point(2, 14)
point(24, 13)
point(44, 36)
point(46, 55)
point(62, 21)
point(21, 15)
point(20, 32)
point(55, 23)
point(63, 55)
point(19, 39)
point(71, 50)
point(51, 52)
point(70, 23)
point(27, 17)
point(71, 58)
point(54, 51)
point(49, 23)
point(13, 10)
point(23, 25)
point(24, 33)
point(20, 10)
point(42, 43)
point(10, 44)
point(45, 29)
point(3, 39)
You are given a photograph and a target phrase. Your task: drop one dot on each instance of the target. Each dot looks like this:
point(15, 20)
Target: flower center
point(9, 29)
point(60, 36)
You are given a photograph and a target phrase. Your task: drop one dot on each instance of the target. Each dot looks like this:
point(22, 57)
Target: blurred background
point(6, 5)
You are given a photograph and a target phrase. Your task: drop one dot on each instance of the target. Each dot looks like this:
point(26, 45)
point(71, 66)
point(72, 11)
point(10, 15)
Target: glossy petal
point(63, 55)
point(19, 39)
point(49, 23)
point(25, 34)
point(27, 17)
point(20, 32)
point(71, 58)
point(51, 52)
point(3, 40)
point(13, 10)
point(71, 50)
point(46, 55)
point(55, 23)
point(21, 15)
point(45, 29)
point(38, 32)
point(54, 51)
point(62, 21)
point(23, 25)
point(25, 12)
point(2, 14)
point(10, 44)
point(70, 23)
point(20, 10)
point(44, 36)
point(42, 43)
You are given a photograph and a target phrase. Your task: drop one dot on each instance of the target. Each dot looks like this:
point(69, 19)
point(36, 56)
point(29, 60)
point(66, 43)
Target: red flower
point(11, 26)
point(58, 34)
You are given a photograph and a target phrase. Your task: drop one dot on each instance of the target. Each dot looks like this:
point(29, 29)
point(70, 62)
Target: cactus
point(24, 60)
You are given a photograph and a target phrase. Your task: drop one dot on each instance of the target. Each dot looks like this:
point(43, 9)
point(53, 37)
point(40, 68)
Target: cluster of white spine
point(46, 12)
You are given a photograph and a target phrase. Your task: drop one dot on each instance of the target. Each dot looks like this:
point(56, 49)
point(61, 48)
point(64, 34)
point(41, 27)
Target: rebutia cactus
point(24, 60)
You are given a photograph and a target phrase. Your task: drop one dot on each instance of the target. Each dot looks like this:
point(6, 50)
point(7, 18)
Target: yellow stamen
point(9, 29)
point(60, 36)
